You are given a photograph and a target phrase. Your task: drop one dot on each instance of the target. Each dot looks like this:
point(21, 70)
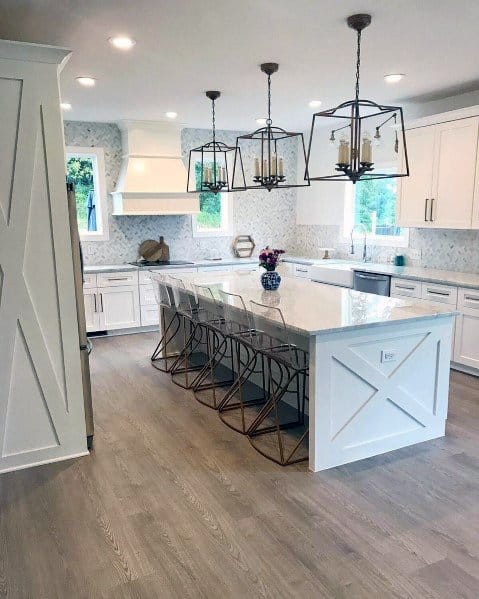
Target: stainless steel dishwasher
point(369, 282)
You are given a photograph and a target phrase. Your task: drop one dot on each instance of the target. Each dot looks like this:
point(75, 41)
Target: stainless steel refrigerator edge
point(85, 343)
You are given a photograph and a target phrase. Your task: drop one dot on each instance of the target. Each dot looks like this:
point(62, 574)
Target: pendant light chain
point(214, 120)
point(358, 64)
point(269, 121)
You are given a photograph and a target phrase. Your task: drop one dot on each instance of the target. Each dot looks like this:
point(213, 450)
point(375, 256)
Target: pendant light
point(267, 149)
point(210, 165)
point(356, 124)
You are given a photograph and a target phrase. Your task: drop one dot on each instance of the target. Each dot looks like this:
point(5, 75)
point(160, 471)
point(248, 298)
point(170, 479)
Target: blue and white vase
point(270, 280)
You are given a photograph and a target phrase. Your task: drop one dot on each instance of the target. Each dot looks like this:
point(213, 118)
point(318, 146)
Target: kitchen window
point(215, 218)
point(371, 206)
point(86, 170)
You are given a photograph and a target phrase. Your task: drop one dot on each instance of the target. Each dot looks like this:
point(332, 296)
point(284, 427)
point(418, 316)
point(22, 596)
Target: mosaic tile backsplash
point(268, 217)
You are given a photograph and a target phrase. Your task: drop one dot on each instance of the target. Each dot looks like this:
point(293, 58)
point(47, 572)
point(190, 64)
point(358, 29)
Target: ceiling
point(185, 47)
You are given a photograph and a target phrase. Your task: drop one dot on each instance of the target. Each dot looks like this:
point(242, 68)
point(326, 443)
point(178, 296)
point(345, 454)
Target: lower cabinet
point(465, 340)
point(92, 316)
point(110, 308)
point(120, 307)
point(111, 301)
point(467, 329)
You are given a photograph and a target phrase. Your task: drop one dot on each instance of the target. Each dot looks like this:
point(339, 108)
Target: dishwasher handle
point(371, 277)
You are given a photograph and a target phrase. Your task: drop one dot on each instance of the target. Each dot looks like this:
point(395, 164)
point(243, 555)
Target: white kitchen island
point(379, 367)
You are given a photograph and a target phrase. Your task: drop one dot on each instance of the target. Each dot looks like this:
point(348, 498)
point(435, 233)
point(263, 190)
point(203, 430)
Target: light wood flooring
point(172, 503)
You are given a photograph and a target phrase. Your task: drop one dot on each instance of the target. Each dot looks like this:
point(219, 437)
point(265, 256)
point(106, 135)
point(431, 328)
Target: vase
point(270, 280)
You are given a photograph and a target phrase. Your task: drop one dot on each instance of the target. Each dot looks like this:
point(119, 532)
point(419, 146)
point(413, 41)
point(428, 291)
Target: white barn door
point(41, 397)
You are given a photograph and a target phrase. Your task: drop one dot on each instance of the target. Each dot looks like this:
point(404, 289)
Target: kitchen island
point(379, 367)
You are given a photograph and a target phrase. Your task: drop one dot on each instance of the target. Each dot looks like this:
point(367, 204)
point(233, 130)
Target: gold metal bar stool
point(161, 357)
point(280, 430)
point(248, 394)
point(194, 353)
point(219, 372)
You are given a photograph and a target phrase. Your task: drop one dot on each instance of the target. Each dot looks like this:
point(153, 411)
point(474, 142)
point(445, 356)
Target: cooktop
point(145, 263)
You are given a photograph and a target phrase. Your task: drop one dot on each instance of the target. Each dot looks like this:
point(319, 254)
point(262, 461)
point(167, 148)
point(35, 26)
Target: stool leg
point(166, 339)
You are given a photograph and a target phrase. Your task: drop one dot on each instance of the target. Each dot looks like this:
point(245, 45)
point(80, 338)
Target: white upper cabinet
point(442, 187)
point(454, 174)
point(415, 191)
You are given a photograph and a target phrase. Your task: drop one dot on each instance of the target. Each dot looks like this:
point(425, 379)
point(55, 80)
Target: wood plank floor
point(172, 503)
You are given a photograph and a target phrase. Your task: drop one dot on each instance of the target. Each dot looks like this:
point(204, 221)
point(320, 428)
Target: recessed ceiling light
point(65, 106)
point(171, 115)
point(393, 77)
point(261, 121)
point(86, 81)
point(315, 103)
point(122, 42)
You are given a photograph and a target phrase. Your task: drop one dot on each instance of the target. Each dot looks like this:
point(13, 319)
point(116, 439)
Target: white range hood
point(153, 176)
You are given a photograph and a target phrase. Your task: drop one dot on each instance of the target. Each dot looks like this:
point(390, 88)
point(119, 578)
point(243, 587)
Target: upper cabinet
point(442, 191)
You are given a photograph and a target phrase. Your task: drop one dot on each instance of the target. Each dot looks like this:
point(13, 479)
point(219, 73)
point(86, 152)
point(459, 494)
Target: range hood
point(153, 177)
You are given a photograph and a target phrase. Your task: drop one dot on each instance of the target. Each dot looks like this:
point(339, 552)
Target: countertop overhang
point(314, 308)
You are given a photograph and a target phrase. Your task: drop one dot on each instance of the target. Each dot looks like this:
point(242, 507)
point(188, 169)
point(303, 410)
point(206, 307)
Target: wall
point(269, 217)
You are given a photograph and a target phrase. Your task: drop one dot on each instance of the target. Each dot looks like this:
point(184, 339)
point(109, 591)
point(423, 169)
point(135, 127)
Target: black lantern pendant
point(351, 136)
point(266, 149)
point(210, 165)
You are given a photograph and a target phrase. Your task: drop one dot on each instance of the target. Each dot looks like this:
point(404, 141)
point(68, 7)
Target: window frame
point(348, 219)
point(226, 229)
point(98, 157)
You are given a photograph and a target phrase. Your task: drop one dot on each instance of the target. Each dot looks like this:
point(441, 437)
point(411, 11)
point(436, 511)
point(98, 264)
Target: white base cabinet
point(465, 341)
point(111, 301)
point(466, 350)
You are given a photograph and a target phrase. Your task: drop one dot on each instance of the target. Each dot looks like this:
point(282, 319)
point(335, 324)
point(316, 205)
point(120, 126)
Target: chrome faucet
point(365, 247)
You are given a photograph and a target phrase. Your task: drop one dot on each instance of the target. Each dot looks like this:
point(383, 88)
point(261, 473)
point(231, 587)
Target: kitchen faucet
point(365, 247)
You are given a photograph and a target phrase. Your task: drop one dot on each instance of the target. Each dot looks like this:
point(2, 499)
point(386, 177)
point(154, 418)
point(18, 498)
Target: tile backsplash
point(269, 217)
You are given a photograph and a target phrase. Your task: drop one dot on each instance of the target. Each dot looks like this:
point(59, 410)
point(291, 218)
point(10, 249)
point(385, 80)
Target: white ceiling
point(185, 47)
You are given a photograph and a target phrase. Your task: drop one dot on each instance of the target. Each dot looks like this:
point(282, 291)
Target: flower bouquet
point(268, 259)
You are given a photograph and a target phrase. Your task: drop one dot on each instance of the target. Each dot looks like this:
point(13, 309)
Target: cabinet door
point(467, 329)
point(92, 315)
point(119, 307)
point(454, 174)
point(414, 192)
point(149, 315)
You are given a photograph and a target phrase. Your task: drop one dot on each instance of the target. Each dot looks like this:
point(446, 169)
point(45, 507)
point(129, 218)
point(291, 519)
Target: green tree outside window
point(80, 172)
point(210, 204)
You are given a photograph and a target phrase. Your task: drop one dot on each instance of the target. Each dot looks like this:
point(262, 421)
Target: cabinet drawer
point(468, 299)
point(147, 296)
point(116, 279)
point(302, 270)
point(149, 315)
point(406, 287)
point(444, 294)
point(89, 280)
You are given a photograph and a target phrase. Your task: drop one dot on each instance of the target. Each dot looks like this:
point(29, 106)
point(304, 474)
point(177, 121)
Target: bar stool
point(248, 394)
point(219, 371)
point(161, 359)
point(194, 354)
point(280, 430)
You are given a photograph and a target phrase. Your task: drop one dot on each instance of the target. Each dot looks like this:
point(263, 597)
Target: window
point(370, 206)
point(86, 169)
point(215, 218)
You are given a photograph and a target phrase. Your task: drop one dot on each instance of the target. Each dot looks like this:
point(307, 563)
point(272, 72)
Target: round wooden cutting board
point(150, 250)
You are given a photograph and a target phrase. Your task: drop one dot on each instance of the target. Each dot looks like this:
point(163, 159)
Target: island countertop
point(314, 308)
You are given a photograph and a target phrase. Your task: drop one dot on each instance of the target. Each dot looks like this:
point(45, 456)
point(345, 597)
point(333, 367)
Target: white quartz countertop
point(106, 268)
point(430, 275)
point(314, 308)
